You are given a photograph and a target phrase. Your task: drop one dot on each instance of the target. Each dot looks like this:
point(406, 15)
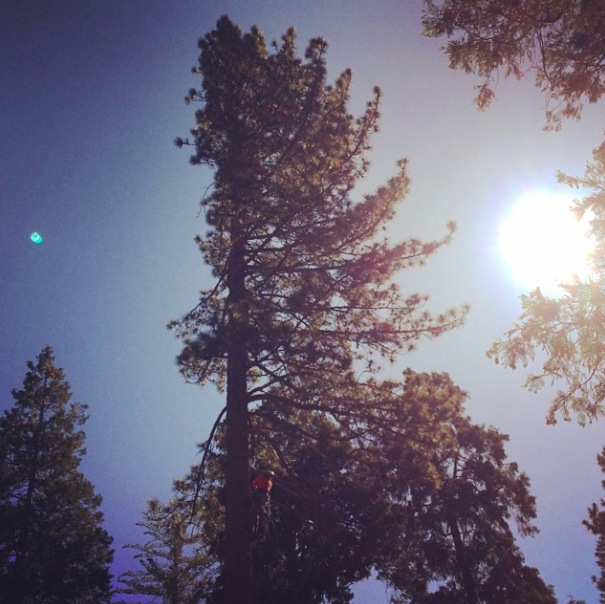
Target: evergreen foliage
point(450, 496)
point(424, 502)
point(569, 329)
point(560, 41)
point(174, 568)
point(303, 301)
point(53, 548)
point(314, 264)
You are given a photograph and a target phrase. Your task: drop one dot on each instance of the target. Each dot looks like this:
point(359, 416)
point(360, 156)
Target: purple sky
point(91, 100)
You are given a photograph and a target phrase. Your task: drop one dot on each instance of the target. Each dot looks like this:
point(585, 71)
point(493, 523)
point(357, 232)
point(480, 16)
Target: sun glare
point(542, 242)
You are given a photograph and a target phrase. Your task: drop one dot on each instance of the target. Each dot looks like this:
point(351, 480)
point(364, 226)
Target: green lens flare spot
point(36, 238)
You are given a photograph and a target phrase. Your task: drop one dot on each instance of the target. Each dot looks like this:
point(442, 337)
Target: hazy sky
point(91, 98)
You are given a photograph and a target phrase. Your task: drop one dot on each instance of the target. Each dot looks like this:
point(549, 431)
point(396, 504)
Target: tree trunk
point(238, 562)
point(22, 549)
point(465, 572)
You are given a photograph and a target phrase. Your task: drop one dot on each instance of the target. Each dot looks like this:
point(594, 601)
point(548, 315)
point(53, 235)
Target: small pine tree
point(174, 567)
point(53, 548)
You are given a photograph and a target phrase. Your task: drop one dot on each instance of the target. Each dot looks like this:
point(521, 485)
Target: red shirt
point(262, 481)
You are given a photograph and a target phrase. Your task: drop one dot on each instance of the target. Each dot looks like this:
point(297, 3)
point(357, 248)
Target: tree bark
point(238, 561)
point(465, 572)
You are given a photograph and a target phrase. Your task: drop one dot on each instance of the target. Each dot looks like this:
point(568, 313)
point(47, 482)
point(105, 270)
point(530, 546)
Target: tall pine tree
point(303, 292)
point(53, 548)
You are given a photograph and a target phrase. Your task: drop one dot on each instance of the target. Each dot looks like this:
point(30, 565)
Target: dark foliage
point(425, 500)
point(53, 549)
point(560, 41)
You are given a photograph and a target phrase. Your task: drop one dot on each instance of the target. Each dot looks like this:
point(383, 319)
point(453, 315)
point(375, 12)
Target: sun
point(542, 242)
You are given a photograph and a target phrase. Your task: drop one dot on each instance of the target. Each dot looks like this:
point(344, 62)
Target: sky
point(91, 98)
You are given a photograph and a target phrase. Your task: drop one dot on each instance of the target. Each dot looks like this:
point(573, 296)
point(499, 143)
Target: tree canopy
point(426, 501)
point(53, 548)
point(562, 44)
point(559, 41)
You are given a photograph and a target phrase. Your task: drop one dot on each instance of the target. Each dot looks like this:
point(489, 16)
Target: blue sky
point(91, 100)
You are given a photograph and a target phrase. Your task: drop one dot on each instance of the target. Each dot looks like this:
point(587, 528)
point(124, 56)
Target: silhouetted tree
point(424, 499)
point(53, 548)
point(560, 42)
point(450, 497)
point(302, 271)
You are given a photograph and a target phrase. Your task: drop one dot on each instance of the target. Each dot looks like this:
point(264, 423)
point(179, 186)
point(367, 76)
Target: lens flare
point(36, 238)
point(542, 242)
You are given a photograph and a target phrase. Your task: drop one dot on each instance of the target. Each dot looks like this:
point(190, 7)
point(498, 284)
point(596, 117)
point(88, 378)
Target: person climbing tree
point(261, 501)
